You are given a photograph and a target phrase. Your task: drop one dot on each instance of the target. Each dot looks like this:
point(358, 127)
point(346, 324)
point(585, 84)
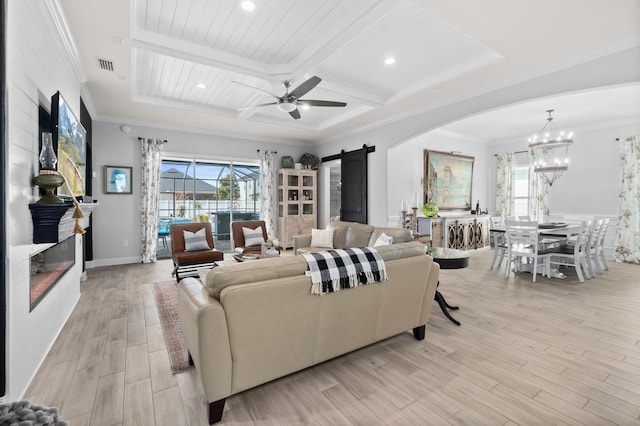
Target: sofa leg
point(418, 332)
point(189, 359)
point(215, 410)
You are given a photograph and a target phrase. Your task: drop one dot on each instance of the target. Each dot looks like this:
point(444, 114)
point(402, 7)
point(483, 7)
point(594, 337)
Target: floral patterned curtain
point(149, 191)
point(538, 190)
point(504, 185)
point(628, 229)
point(267, 188)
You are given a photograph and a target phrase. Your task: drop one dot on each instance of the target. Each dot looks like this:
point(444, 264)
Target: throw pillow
point(383, 240)
point(196, 241)
point(322, 238)
point(253, 237)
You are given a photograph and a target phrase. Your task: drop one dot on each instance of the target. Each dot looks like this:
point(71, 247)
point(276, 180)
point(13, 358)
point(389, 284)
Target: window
point(214, 191)
point(521, 191)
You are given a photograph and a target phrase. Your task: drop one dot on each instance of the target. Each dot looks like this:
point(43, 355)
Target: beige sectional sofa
point(351, 234)
point(254, 322)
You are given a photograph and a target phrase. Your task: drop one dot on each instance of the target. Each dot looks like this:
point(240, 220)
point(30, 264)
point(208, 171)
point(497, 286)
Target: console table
point(466, 232)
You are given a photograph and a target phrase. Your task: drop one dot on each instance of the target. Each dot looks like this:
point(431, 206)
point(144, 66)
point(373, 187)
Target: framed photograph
point(117, 180)
point(448, 178)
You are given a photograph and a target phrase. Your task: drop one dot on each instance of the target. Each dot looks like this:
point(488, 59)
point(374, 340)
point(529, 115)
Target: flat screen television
point(70, 143)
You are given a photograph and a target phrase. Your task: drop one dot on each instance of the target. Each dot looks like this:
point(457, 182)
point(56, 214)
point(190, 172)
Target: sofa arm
point(204, 326)
point(299, 241)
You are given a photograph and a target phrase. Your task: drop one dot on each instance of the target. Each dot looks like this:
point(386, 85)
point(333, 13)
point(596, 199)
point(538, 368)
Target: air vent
point(105, 64)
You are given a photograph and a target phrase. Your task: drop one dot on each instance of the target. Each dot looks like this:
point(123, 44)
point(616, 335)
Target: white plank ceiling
point(161, 49)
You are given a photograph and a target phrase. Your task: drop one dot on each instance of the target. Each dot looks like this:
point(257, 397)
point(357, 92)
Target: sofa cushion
point(358, 235)
point(258, 270)
point(339, 233)
point(287, 266)
point(195, 241)
point(383, 240)
point(399, 235)
point(322, 238)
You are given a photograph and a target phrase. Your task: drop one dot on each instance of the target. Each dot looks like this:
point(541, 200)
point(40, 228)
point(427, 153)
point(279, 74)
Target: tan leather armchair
point(187, 263)
point(238, 236)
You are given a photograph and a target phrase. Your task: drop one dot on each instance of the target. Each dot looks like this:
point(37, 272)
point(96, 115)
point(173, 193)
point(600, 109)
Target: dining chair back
point(575, 255)
point(601, 238)
point(592, 246)
point(497, 240)
point(522, 241)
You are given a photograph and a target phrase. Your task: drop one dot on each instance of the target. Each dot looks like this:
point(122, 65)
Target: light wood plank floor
point(550, 352)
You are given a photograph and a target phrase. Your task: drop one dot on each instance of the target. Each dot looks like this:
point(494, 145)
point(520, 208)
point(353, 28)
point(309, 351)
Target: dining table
point(549, 234)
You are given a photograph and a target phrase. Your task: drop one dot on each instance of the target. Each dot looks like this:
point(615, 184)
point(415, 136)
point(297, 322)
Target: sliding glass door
point(213, 191)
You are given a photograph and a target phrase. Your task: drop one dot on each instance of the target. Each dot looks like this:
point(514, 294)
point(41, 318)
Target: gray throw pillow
point(196, 241)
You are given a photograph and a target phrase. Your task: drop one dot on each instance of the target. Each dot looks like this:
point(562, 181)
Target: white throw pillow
point(196, 241)
point(383, 240)
point(322, 238)
point(253, 237)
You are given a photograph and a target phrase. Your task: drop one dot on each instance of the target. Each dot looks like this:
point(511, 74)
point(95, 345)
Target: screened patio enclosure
point(217, 192)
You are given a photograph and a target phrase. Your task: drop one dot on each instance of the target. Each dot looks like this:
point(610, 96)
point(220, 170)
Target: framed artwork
point(117, 180)
point(447, 179)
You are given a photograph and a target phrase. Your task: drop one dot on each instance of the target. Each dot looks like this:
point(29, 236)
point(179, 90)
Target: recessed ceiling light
point(390, 60)
point(248, 6)
point(201, 86)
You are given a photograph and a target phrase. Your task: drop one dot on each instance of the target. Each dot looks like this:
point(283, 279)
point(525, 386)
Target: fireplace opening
point(48, 266)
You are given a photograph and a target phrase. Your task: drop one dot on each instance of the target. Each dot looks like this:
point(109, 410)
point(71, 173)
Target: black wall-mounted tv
point(70, 144)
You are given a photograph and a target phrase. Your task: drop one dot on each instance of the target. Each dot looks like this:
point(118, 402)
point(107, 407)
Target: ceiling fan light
point(287, 106)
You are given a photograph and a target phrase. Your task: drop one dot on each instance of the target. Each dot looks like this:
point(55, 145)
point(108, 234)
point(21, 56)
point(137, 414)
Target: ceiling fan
point(290, 101)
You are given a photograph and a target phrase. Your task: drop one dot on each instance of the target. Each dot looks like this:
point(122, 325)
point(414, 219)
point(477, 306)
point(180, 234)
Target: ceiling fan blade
point(256, 88)
point(256, 106)
point(311, 102)
point(305, 87)
point(295, 114)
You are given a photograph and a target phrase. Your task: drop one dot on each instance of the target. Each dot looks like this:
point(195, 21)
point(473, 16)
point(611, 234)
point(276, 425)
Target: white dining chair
point(592, 246)
point(522, 241)
point(497, 240)
point(600, 259)
point(574, 255)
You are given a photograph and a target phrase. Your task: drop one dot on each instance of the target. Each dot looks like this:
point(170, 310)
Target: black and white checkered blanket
point(334, 270)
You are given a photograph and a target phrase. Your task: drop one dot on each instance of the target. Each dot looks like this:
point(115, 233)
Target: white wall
point(118, 218)
point(37, 66)
point(615, 69)
point(406, 167)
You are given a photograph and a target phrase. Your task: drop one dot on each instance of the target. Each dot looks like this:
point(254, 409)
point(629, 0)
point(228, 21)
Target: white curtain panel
point(267, 189)
point(149, 191)
point(628, 229)
point(538, 190)
point(504, 185)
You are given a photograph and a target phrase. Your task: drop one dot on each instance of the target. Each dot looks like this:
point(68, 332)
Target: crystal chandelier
point(549, 149)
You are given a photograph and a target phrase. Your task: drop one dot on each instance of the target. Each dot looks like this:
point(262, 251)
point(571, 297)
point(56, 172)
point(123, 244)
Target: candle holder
point(407, 220)
point(414, 221)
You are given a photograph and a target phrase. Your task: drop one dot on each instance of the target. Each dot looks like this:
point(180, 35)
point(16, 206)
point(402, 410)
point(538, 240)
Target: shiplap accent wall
point(38, 64)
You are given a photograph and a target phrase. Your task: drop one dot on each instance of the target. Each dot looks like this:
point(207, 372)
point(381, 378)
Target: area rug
point(166, 296)
point(26, 413)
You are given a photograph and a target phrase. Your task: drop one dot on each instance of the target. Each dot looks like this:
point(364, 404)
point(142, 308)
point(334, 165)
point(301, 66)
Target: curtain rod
point(275, 152)
point(141, 139)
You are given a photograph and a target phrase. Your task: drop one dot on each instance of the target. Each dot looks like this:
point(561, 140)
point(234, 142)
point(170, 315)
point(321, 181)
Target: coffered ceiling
point(144, 59)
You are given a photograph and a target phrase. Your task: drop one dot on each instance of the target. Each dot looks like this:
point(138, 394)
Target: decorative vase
point(287, 162)
point(430, 209)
